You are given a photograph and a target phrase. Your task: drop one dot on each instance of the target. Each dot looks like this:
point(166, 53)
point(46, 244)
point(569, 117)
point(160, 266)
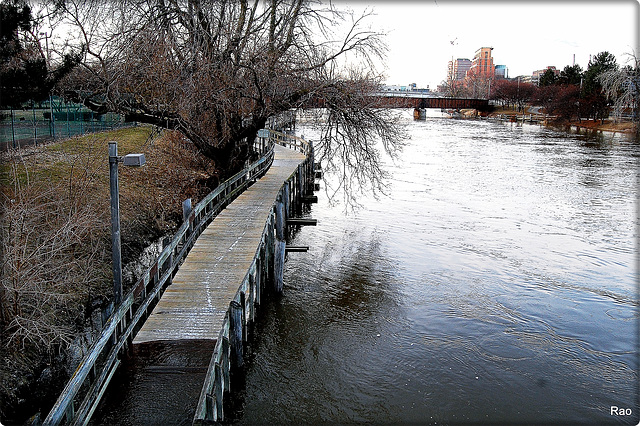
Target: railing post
point(186, 212)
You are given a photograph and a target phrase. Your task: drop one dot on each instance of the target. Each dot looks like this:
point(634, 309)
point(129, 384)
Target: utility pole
point(127, 160)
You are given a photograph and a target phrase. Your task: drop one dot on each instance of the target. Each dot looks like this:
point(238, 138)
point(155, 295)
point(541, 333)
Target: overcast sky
point(525, 35)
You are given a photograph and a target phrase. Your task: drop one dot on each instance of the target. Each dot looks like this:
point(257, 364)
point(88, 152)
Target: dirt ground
point(624, 126)
point(607, 126)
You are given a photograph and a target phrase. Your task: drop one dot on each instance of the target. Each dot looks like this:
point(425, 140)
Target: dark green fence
point(37, 122)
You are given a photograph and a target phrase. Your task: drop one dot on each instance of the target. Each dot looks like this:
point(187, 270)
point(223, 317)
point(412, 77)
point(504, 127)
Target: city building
point(502, 71)
point(524, 78)
point(482, 64)
point(411, 88)
point(536, 75)
point(457, 70)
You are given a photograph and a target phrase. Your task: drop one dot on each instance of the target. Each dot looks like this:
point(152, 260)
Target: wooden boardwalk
point(194, 305)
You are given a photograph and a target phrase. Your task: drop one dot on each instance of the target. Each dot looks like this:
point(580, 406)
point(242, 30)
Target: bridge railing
point(84, 390)
point(265, 270)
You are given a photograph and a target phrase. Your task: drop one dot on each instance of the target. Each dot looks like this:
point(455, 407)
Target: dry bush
point(151, 197)
point(56, 230)
point(54, 252)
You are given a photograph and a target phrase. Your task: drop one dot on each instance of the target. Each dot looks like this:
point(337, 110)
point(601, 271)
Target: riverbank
point(606, 126)
point(55, 287)
point(609, 125)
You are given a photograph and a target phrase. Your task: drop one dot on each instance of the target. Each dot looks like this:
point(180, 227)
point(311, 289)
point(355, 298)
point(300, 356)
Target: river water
point(496, 283)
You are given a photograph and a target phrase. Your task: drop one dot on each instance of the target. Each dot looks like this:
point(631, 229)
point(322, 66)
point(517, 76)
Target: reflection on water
point(497, 283)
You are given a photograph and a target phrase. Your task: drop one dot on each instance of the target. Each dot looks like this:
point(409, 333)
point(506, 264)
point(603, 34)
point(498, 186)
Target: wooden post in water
point(235, 335)
point(286, 199)
point(252, 295)
point(224, 364)
point(300, 189)
point(243, 304)
point(279, 247)
point(259, 276)
point(214, 401)
point(270, 249)
point(280, 221)
point(279, 266)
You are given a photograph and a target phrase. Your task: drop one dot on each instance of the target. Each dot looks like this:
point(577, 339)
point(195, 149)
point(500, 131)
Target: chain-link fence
point(37, 122)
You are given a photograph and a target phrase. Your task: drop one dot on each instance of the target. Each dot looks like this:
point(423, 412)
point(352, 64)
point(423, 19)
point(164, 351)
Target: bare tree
point(623, 87)
point(454, 88)
point(355, 138)
point(218, 70)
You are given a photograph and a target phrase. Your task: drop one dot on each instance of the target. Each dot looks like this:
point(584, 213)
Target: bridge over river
point(422, 102)
point(416, 101)
point(208, 281)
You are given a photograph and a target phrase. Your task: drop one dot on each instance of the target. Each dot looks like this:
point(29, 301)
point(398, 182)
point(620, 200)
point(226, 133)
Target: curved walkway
point(194, 305)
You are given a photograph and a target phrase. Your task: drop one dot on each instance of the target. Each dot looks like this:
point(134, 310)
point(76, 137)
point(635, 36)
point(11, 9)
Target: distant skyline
point(423, 36)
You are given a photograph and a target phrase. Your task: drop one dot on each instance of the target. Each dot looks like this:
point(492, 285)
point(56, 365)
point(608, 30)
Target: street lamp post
point(46, 39)
point(128, 160)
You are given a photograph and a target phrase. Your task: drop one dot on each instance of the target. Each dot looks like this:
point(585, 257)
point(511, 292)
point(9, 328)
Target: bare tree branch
point(218, 70)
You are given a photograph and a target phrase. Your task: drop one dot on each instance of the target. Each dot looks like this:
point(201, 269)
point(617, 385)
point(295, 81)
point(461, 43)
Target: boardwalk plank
point(194, 305)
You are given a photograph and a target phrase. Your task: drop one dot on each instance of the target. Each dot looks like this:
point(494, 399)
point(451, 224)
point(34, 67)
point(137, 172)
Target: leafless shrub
point(622, 85)
point(53, 247)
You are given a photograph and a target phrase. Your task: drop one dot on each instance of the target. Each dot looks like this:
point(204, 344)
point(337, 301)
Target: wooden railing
point(291, 142)
point(265, 272)
point(84, 390)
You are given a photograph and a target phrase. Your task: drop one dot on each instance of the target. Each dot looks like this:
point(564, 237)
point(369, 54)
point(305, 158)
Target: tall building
point(501, 71)
point(457, 70)
point(483, 63)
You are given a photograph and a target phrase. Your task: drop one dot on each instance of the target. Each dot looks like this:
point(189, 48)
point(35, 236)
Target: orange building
point(482, 64)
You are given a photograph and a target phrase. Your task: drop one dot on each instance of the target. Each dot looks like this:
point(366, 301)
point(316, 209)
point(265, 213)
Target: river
point(496, 283)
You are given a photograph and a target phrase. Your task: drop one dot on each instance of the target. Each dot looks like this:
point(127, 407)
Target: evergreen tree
point(570, 75)
point(593, 96)
point(24, 74)
point(548, 78)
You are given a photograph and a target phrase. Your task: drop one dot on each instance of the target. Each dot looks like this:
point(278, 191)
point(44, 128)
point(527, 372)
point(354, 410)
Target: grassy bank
point(56, 247)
